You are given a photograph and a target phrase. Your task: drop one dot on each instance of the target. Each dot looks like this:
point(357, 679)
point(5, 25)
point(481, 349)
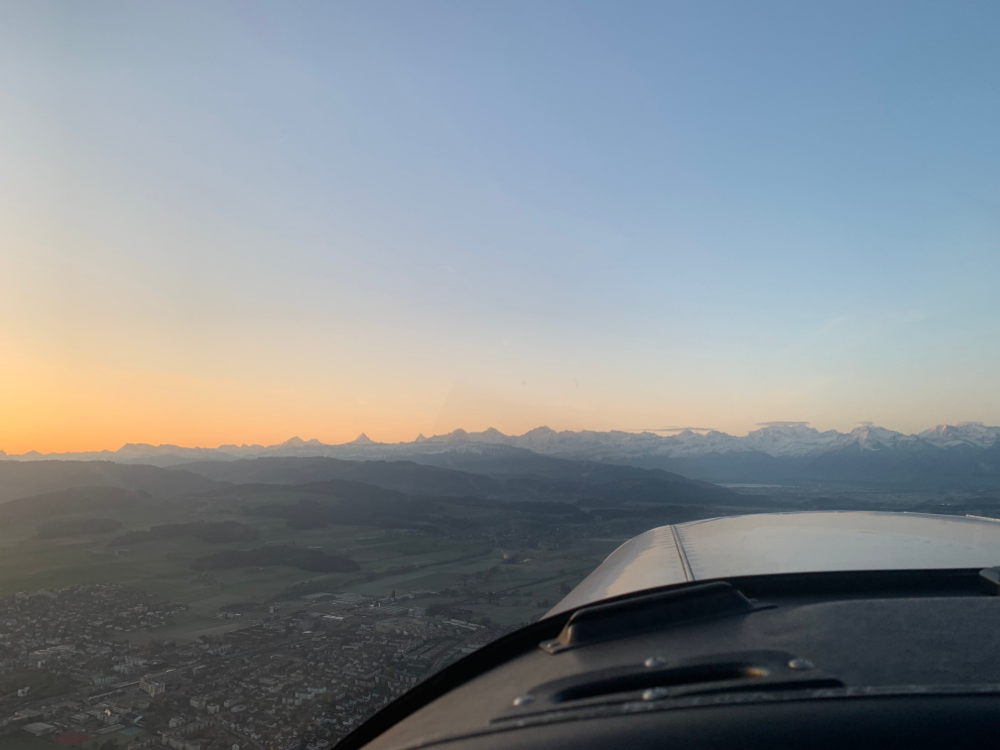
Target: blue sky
point(238, 221)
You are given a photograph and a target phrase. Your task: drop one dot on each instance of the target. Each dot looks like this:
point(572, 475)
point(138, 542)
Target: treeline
point(70, 527)
point(314, 561)
point(403, 512)
point(64, 502)
point(308, 514)
point(429, 514)
point(215, 532)
point(244, 607)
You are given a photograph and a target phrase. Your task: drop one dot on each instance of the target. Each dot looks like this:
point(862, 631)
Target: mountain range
point(965, 455)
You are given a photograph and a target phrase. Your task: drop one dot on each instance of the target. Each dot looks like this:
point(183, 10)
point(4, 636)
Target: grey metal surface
point(789, 543)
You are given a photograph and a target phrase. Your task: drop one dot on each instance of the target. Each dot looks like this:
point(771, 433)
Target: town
point(295, 675)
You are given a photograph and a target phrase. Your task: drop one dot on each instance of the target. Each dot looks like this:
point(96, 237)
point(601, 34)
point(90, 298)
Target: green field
point(400, 560)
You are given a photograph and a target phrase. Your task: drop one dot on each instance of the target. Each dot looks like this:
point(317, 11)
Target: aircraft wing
point(772, 543)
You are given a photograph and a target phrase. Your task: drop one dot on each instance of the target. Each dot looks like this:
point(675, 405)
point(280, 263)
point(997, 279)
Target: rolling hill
point(26, 478)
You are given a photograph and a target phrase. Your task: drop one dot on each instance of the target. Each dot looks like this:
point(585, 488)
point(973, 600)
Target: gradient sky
point(235, 222)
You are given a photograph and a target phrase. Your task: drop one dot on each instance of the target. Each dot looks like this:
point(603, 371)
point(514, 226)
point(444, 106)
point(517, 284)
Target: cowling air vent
point(656, 678)
point(657, 611)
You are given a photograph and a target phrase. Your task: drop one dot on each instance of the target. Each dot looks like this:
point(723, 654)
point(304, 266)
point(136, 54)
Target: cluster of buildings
point(40, 620)
point(307, 677)
point(299, 677)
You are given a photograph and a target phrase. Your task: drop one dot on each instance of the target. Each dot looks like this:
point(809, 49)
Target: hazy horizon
point(663, 432)
point(256, 221)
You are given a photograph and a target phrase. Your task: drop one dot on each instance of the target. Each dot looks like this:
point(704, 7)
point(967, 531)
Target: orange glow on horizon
point(57, 399)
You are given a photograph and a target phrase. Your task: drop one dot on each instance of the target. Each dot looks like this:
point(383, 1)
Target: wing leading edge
point(773, 543)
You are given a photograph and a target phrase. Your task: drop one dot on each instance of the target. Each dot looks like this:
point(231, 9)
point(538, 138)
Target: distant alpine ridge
point(773, 439)
point(960, 455)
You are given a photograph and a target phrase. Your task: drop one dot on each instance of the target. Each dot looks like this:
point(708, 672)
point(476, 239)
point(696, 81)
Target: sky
point(238, 222)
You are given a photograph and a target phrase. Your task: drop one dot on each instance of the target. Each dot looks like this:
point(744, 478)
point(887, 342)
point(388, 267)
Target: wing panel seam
point(682, 554)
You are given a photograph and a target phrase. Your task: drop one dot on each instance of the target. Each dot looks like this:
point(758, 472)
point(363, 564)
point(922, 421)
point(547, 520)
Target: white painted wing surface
point(771, 543)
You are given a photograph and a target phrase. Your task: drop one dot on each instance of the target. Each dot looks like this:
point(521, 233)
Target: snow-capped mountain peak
point(870, 437)
point(974, 434)
point(789, 439)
